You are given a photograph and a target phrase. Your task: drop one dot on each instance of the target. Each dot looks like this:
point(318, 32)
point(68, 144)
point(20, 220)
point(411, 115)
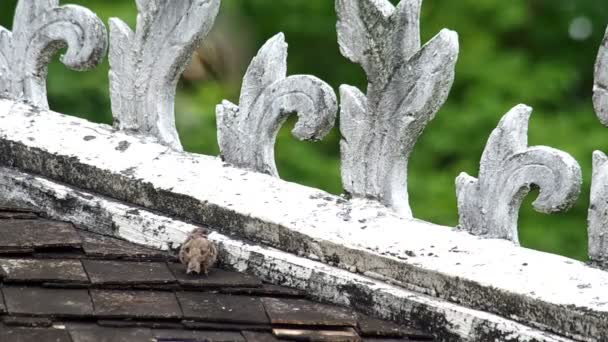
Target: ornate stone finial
point(40, 29)
point(509, 169)
point(145, 65)
point(600, 85)
point(407, 86)
point(247, 133)
point(598, 209)
point(598, 212)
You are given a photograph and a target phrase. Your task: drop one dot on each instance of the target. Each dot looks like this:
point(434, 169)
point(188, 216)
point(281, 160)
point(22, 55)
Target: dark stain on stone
point(133, 212)
point(433, 322)
point(89, 138)
point(358, 297)
point(485, 333)
point(123, 146)
point(333, 258)
point(129, 171)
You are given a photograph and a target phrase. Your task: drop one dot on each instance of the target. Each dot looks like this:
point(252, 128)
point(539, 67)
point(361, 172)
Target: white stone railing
point(370, 230)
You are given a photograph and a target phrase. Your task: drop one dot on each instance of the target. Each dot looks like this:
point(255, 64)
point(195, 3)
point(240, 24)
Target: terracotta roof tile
point(37, 301)
point(32, 234)
point(19, 334)
point(38, 271)
point(198, 336)
point(109, 272)
point(253, 336)
point(104, 247)
point(213, 307)
point(18, 214)
point(31, 322)
point(95, 333)
point(344, 335)
point(135, 304)
point(304, 312)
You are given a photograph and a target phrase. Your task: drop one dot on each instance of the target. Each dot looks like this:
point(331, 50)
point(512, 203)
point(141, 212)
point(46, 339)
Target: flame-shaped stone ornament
point(598, 209)
point(145, 65)
point(407, 86)
point(489, 205)
point(40, 29)
point(247, 132)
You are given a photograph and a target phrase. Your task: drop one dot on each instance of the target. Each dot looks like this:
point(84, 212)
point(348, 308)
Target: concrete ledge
point(547, 291)
point(323, 282)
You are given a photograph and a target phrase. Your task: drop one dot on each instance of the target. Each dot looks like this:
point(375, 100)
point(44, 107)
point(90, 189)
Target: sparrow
point(197, 252)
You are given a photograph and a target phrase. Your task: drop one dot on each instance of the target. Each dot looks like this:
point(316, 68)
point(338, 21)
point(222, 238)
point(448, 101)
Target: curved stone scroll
point(40, 29)
point(600, 85)
point(407, 86)
point(509, 169)
point(145, 65)
point(598, 209)
point(247, 132)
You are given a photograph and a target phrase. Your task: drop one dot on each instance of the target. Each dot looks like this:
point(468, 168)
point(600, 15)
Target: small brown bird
point(198, 252)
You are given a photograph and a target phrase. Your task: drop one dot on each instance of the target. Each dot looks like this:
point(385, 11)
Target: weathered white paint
point(489, 206)
point(247, 132)
point(93, 212)
point(40, 29)
point(544, 290)
point(407, 85)
point(598, 211)
point(145, 65)
point(600, 84)
point(598, 208)
point(89, 211)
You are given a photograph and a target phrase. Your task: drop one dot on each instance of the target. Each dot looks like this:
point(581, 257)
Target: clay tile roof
point(59, 283)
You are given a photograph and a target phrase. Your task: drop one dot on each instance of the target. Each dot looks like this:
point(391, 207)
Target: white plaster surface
point(544, 290)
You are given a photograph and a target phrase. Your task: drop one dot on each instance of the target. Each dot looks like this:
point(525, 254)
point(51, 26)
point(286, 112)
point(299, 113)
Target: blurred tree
point(538, 52)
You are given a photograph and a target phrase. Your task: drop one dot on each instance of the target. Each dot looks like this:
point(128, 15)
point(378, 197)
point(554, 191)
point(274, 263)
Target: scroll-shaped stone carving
point(598, 212)
point(600, 86)
point(407, 86)
point(145, 65)
point(598, 209)
point(40, 29)
point(247, 132)
point(489, 206)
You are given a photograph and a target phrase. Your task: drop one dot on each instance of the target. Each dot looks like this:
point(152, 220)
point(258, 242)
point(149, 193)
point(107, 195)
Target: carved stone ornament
point(407, 86)
point(247, 132)
point(488, 206)
point(40, 29)
point(598, 209)
point(145, 65)
point(600, 85)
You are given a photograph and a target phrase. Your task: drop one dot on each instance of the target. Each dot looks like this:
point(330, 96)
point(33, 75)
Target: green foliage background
point(517, 51)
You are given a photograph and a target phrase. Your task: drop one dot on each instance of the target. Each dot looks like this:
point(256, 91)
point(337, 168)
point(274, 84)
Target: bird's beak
point(193, 267)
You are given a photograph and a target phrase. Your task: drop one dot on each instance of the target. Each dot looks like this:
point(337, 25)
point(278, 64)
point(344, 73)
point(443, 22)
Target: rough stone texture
point(247, 132)
point(600, 86)
point(40, 29)
point(145, 65)
point(598, 212)
point(490, 275)
point(598, 209)
point(407, 86)
point(489, 206)
point(323, 282)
